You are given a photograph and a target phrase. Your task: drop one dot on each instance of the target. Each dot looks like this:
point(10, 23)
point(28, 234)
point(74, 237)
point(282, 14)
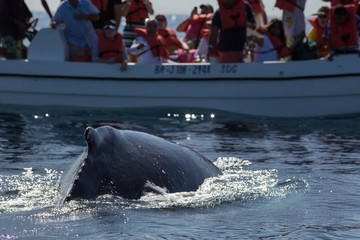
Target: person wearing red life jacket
point(135, 12)
point(111, 45)
point(193, 25)
point(271, 45)
point(319, 25)
point(172, 41)
point(109, 9)
point(149, 46)
point(293, 19)
point(342, 33)
point(229, 27)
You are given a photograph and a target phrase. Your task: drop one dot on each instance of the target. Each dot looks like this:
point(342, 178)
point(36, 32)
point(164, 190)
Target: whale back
point(126, 163)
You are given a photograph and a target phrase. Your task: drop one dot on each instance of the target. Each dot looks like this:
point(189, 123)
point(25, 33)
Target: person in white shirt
point(294, 21)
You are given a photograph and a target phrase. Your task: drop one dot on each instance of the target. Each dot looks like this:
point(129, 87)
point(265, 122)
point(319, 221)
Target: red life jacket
point(234, 17)
point(100, 4)
point(170, 37)
point(279, 45)
point(343, 36)
point(255, 5)
point(319, 31)
point(206, 33)
point(137, 12)
point(195, 25)
point(288, 5)
point(157, 43)
point(110, 49)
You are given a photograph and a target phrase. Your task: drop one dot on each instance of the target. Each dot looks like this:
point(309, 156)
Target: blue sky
point(185, 6)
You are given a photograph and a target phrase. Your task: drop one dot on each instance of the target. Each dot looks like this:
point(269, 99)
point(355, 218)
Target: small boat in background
point(273, 89)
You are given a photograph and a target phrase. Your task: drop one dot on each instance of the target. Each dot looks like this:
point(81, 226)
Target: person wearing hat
point(111, 45)
point(193, 25)
point(319, 25)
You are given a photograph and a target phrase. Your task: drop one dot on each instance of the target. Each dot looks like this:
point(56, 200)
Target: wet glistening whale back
point(129, 163)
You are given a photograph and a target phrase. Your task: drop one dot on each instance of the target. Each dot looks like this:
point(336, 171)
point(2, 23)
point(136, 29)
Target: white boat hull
point(292, 89)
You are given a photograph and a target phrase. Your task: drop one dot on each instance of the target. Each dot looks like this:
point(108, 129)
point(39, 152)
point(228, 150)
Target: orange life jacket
point(170, 37)
point(137, 12)
point(319, 31)
point(255, 5)
point(279, 45)
point(343, 36)
point(206, 33)
point(234, 17)
point(110, 49)
point(157, 43)
point(288, 5)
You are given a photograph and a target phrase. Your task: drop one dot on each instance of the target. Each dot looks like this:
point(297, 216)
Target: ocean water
point(283, 178)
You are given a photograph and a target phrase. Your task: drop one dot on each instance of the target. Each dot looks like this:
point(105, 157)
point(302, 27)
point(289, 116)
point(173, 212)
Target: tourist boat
point(272, 89)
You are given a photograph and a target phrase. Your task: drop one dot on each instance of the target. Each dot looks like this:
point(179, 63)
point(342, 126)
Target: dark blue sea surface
point(283, 178)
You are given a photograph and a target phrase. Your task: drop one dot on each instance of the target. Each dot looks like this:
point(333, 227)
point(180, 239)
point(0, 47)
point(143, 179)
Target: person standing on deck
point(293, 19)
point(14, 21)
point(229, 23)
point(77, 16)
point(109, 10)
point(136, 12)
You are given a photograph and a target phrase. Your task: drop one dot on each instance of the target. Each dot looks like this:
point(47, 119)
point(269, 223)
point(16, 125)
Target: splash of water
point(28, 191)
point(32, 191)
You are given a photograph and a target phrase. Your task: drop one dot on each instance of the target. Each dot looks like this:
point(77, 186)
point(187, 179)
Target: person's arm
point(125, 8)
point(258, 40)
point(250, 17)
point(118, 8)
point(46, 7)
point(148, 6)
point(184, 24)
point(124, 62)
point(83, 16)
